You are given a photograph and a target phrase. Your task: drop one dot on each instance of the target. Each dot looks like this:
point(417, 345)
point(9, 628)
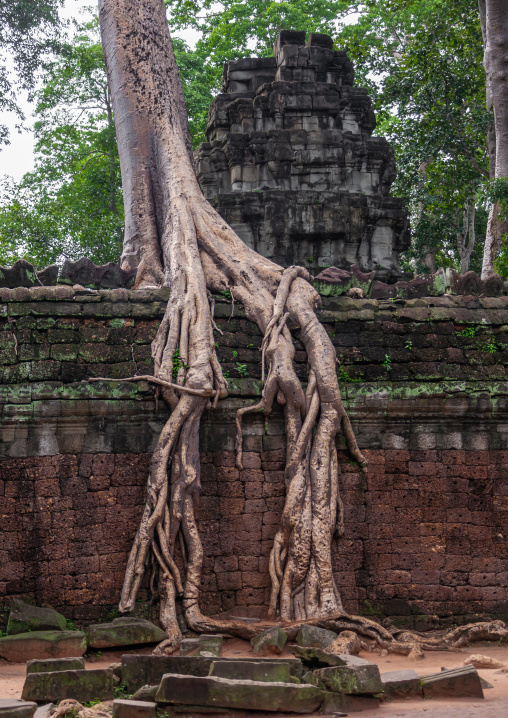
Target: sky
point(18, 158)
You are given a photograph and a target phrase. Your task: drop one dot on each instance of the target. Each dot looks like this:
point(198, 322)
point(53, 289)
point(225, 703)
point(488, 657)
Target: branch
point(161, 382)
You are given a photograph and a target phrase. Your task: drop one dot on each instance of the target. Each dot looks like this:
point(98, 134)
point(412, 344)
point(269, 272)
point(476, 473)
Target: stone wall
point(423, 381)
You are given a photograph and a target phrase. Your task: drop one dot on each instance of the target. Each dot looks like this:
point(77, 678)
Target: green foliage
point(242, 369)
point(71, 204)
point(467, 332)
point(387, 362)
point(177, 363)
point(344, 377)
point(29, 32)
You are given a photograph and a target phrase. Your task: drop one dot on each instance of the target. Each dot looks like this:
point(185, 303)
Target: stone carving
point(88, 274)
point(333, 281)
point(292, 166)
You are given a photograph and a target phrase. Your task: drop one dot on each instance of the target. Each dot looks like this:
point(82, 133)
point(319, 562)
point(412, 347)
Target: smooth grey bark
point(494, 18)
point(466, 238)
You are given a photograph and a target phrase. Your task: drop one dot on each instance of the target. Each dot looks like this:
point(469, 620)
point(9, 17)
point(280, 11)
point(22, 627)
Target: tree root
point(178, 239)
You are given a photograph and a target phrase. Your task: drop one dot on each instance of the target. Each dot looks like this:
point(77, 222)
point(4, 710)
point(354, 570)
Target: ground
point(495, 704)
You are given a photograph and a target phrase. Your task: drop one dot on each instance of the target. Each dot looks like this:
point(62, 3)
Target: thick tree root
point(178, 239)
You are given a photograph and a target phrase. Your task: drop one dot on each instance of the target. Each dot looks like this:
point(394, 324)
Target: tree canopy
point(29, 32)
point(420, 59)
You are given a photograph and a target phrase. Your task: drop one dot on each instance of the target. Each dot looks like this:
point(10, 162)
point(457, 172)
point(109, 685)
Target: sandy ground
point(494, 705)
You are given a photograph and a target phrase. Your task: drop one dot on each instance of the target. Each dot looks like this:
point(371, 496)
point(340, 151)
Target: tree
point(71, 204)
point(494, 16)
point(178, 239)
point(422, 63)
point(28, 32)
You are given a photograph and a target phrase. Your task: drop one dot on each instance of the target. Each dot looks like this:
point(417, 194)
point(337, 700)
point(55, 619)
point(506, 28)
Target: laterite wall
point(425, 385)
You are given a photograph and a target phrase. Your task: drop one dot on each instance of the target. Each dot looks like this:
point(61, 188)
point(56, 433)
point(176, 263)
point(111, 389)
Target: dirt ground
point(494, 705)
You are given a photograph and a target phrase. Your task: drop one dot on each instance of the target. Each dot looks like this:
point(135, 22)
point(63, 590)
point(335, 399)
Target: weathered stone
point(401, 684)
point(43, 709)
point(140, 670)
point(133, 709)
point(21, 274)
point(357, 676)
point(42, 644)
point(49, 275)
point(315, 636)
point(316, 657)
point(202, 644)
point(246, 695)
point(272, 640)
point(285, 161)
point(88, 274)
point(125, 631)
point(274, 671)
point(333, 281)
point(117, 669)
point(463, 682)
point(54, 664)
point(82, 685)
point(13, 708)
point(24, 617)
point(145, 693)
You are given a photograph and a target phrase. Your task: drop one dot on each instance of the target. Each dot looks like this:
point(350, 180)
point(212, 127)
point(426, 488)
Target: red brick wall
point(426, 531)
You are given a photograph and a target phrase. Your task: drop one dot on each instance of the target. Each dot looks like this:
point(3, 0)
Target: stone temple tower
point(292, 166)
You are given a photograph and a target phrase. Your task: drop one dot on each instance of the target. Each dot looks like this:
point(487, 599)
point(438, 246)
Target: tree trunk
point(494, 18)
point(467, 234)
point(176, 237)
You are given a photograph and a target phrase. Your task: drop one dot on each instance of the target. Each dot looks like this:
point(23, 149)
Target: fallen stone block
point(21, 647)
point(12, 708)
point(200, 645)
point(145, 693)
point(81, 685)
point(463, 682)
point(117, 669)
point(356, 676)
point(24, 617)
point(272, 640)
point(247, 695)
point(133, 709)
point(140, 670)
point(315, 636)
point(316, 657)
point(270, 671)
point(49, 665)
point(401, 684)
point(124, 631)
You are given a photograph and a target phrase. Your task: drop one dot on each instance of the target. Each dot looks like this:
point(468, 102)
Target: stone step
point(133, 709)
point(12, 708)
point(49, 665)
point(462, 682)
point(81, 685)
point(22, 647)
point(141, 670)
point(247, 695)
point(267, 671)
